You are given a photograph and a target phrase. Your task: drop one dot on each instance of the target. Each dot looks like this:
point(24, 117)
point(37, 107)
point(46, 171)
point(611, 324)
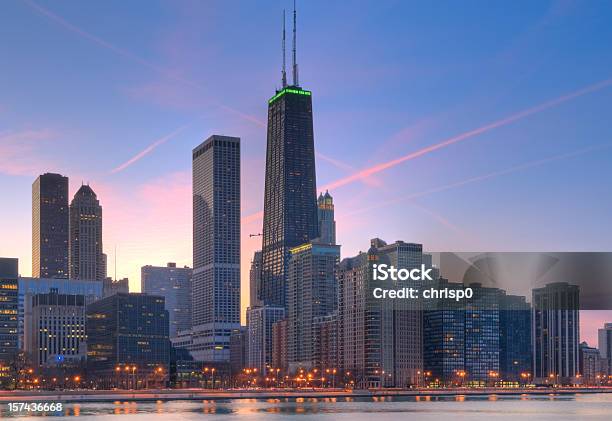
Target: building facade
point(290, 202)
point(515, 363)
point(112, 287)
point(379, 341)
point(128, 330)
point(50, 226)
point(444, 340)
point(255, 280)
point(605, 347)
point(55, 329)
point(312, 292)
point(556, 333)
point(482, 336)
point(29, 287)
point(590, 365)
point(280, 360)
point(238, 350)
point(9, 269)
point(327, 223)
point(216, 247)
point(85, 257)
point(260, 321)
point(174, 284)
point(326, 341)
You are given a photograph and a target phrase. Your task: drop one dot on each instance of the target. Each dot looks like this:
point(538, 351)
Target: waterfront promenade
point(208, 394)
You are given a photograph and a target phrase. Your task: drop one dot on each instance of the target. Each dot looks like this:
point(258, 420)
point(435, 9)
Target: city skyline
point(532, 143)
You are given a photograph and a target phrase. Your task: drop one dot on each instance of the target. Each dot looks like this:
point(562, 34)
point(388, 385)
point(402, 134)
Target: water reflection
point(551, 407)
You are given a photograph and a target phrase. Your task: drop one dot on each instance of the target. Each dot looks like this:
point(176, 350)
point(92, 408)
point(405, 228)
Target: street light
point(134, 378)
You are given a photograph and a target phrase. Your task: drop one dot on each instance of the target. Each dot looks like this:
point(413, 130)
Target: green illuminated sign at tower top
point(291, 90)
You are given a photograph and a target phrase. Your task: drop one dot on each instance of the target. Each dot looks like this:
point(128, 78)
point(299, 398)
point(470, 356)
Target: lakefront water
point(453, 408)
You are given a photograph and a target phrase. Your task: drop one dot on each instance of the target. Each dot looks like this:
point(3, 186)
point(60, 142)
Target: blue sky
point(118, 93)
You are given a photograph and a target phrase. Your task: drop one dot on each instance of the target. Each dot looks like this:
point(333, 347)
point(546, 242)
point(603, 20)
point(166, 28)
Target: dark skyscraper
point(515, 337)
point(216, 247)
point(290, 201)
point(50, 226)
point(8, 315)
point(85, 257)
point(127, 330)
point(556, 332)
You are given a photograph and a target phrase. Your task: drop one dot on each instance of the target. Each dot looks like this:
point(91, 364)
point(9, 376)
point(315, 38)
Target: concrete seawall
point(200, 394)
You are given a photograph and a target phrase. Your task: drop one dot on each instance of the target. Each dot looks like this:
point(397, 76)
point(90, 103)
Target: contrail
point(526, 165)
point(131, 56)
point(461, 183)
point(335, 162)
point(463, 136)
point(148, 149)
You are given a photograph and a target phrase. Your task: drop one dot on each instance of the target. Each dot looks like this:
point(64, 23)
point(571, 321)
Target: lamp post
point(127, 377)
point(134, 378)
point(117, 372)
point(493, 375)
point(461, 375)
point(525, 376)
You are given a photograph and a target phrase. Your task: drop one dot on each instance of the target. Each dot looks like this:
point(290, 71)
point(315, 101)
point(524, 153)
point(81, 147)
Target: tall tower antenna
point(284, 55)
point(295, 66)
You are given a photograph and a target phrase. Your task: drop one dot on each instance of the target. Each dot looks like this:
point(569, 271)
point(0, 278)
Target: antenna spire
point(284, 72)
point(295, 66)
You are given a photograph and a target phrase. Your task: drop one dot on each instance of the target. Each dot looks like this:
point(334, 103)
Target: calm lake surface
point(525, 407)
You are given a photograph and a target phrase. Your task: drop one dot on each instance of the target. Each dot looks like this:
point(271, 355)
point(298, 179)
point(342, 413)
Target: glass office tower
point(290, 201)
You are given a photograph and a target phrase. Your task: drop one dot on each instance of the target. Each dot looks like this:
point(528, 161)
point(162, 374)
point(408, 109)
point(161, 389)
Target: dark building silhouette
point(444, 339)
point(85, 257)
point(238, 350)
point(556, 333)
point(290, 201)
point(111, 287)
point(8, 315)
point(127, 330)
point(482, 335)
point(515, 339)
point(50, 226)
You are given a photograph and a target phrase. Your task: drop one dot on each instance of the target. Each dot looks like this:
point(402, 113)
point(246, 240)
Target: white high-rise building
point(216, 247)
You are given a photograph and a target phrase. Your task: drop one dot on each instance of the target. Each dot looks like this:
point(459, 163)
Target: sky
point(464, 126)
